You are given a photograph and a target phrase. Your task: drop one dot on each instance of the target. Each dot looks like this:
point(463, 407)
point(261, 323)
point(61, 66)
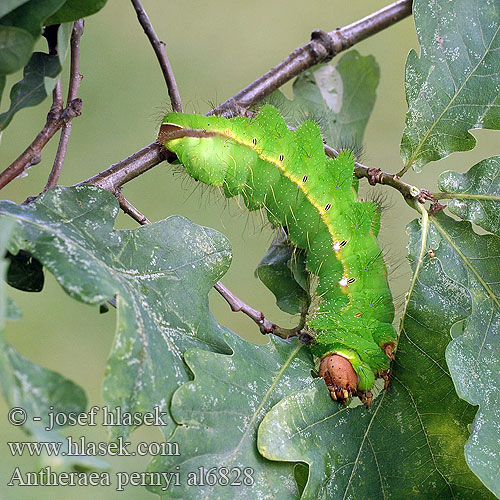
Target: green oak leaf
point(218, 414)
point(410, 443)
point(32, 15)
point(340, 98)
point(454, 86)
point(76, 9)
point(473, 356)
point(475, 195)
point(16, 45)
point(282, 270)
point(160, 282)
point(39, 78)
point(9, 5)
point(34, 388)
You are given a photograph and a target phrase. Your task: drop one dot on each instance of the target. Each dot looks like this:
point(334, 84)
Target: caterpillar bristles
point(160, 112)
point(381, 198)
point(350, 143)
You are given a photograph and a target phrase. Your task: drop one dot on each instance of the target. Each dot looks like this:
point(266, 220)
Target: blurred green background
point(215, 48)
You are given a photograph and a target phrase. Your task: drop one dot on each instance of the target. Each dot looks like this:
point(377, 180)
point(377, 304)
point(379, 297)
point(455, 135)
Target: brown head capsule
point(339, 376)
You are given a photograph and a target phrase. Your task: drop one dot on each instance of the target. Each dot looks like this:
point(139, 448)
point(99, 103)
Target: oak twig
point(323, 46)
point(74, 84)
point(265, 326)
point(161, 54)
point(130, 210)
point(124, 171)
point(57, 117)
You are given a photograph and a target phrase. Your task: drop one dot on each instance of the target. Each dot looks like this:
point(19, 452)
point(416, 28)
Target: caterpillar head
point(339, 376)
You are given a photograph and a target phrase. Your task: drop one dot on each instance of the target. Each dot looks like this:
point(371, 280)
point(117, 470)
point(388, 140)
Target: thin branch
point(130, 210)
point(124, 171)
point(377, 176)
point(74, 84)
point(161, 54)
point(31, 155)
point(323, 46)
point(57, 117)
point(265, 326)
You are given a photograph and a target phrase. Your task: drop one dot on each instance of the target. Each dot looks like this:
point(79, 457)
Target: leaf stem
point(161, 55)
point(466, 196)
point(422, 252)
point(74, 84)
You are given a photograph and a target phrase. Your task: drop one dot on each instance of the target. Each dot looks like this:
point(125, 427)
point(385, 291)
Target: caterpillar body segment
point(287, 174)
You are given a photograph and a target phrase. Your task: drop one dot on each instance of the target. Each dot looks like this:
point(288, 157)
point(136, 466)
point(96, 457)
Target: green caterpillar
point(288, 175)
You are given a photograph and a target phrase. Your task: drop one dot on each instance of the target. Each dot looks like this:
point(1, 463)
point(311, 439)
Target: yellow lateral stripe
point(303, 188)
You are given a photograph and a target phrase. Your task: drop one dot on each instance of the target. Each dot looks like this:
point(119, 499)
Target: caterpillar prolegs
point(287, 174)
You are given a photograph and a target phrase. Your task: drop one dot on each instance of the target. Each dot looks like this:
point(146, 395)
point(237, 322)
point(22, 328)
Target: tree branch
point(265, 326)
point(74, 84)
point(322, 47)
point(57, 117)
point(130, 210)
point(161, 54)
point(124, 171)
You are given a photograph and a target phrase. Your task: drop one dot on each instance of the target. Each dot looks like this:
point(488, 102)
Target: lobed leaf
point(473, 356)
point(34, 388)
point(475, 195)
point(455, 84)
point(218, 414)
point(160, 283)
